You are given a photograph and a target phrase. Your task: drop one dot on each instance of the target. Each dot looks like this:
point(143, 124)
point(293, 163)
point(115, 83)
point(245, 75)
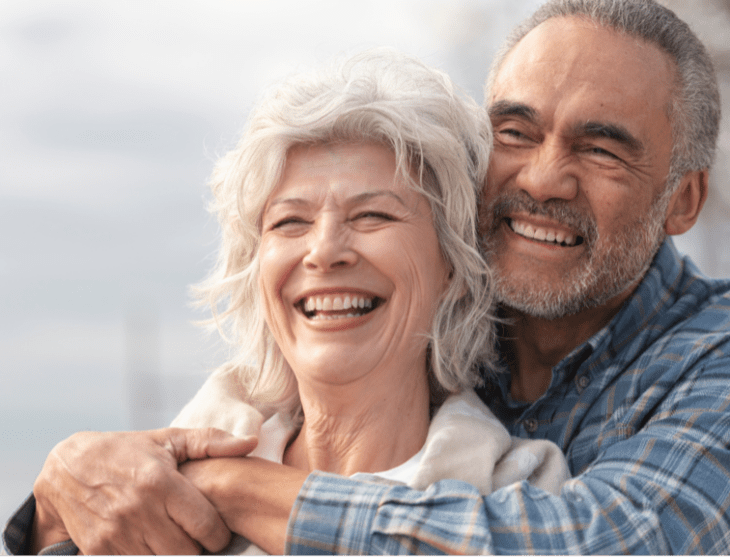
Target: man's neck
point(533, 346)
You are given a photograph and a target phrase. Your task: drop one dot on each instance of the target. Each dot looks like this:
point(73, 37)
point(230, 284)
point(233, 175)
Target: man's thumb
point(187, 444)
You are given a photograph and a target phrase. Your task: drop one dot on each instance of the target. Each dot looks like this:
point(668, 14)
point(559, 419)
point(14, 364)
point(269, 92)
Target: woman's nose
point(329, 247)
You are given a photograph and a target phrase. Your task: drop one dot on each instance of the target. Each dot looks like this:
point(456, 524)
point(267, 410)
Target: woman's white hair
point(383, 97)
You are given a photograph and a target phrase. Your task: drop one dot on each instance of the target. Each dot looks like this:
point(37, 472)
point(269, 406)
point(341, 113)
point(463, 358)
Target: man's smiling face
point(582, 150)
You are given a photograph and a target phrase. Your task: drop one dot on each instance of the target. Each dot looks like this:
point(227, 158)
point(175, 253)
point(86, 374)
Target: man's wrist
point(254, 497)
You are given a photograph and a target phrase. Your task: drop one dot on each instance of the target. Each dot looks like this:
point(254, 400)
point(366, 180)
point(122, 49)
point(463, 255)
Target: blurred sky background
point(111, 115)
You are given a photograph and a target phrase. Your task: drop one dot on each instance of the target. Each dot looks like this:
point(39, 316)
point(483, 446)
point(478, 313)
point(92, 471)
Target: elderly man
point(605, 116)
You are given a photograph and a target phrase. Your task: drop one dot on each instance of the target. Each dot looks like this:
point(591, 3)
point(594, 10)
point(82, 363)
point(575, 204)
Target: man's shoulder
point(701, 309)
point(676, 302)
point(676, 327)
point(696, 326)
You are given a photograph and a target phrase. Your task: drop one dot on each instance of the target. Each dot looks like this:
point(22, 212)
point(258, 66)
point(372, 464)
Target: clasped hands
point(123, 493)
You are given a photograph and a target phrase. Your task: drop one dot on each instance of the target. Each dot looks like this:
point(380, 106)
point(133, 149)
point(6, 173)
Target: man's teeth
point(337, 303)
point(542, 234)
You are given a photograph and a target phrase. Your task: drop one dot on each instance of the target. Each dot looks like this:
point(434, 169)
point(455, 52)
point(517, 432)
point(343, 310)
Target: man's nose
point(548, 173)
point(329, 246)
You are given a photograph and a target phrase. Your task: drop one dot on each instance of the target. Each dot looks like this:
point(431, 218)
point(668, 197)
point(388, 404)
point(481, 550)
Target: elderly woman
point(350, 258)
point(352, 291)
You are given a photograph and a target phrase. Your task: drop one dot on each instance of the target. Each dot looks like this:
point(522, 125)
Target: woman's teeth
point(544, 234)
point(353, 305)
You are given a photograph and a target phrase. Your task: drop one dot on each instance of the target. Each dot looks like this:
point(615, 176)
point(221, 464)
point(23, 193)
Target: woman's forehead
point(343, 170)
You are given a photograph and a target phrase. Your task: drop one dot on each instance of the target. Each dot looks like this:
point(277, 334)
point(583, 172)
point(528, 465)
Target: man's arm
point(253, 496)
point(665, 489)
point(121, 493)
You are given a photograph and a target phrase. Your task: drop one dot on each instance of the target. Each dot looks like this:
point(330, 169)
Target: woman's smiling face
point(351, 268)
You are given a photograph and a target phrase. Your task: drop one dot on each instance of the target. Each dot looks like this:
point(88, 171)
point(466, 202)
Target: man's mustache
point(559, 211)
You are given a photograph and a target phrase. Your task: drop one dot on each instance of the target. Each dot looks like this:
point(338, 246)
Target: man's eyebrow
point(513, 109)
point(618, 133)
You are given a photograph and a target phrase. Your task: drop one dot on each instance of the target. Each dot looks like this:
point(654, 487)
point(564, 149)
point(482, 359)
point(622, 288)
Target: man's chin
point(585, 295)
point(538, 309)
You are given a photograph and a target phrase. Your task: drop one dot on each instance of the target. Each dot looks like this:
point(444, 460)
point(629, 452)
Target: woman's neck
point(350, 429)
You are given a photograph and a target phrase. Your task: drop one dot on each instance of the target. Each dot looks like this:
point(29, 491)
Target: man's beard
point(612, 264)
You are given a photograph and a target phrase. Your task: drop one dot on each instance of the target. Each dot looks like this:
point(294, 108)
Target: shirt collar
point(656, 292)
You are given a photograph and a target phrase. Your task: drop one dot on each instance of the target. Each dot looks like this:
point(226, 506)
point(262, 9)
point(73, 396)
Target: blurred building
point(142, 349)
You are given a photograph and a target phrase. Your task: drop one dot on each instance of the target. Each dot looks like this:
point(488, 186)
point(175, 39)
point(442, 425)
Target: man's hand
point(121, 493)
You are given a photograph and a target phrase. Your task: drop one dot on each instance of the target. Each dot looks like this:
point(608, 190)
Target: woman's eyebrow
point(291, 200)
point(369, 195)
point(356, 199)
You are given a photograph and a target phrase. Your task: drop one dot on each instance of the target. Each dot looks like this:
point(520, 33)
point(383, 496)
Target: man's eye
point(512, 132)
point(512, 135)
point(602, 152)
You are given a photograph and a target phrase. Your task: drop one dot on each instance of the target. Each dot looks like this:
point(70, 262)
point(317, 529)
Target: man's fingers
point(140, 524)
point(231, 446)
point(203, 443)
point(122, 493)
point(205, 525)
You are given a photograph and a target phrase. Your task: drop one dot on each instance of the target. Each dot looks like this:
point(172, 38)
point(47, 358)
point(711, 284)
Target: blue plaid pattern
point(642, 412)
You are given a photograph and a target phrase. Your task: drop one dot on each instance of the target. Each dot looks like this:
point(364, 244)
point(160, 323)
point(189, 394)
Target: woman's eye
point(290, 221)
point(374, 215)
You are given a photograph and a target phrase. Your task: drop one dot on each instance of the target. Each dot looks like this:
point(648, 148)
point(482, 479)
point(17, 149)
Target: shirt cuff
point(334, 514)
point(17, 532)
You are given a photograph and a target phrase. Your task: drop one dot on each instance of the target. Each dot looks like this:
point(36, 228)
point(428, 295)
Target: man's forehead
point(576, 56)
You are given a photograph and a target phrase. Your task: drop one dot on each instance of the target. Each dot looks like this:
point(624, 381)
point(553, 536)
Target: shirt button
point(583, 382)
point(530, 425)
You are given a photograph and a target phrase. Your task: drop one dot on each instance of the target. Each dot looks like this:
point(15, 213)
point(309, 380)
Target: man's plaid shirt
point(642, 412)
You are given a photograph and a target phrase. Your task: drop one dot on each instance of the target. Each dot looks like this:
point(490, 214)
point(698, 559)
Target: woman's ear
point(686, 203)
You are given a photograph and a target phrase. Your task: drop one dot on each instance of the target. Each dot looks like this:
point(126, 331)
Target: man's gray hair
point(695, 111)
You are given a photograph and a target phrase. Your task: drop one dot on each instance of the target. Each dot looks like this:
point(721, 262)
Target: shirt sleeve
point(662, 490)
point(16, 535)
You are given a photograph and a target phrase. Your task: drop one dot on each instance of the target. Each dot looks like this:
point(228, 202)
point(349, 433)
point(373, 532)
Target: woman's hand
point(253, 496)
point(121, 493)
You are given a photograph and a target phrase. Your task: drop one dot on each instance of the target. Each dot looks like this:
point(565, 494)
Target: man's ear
point(686, 203)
